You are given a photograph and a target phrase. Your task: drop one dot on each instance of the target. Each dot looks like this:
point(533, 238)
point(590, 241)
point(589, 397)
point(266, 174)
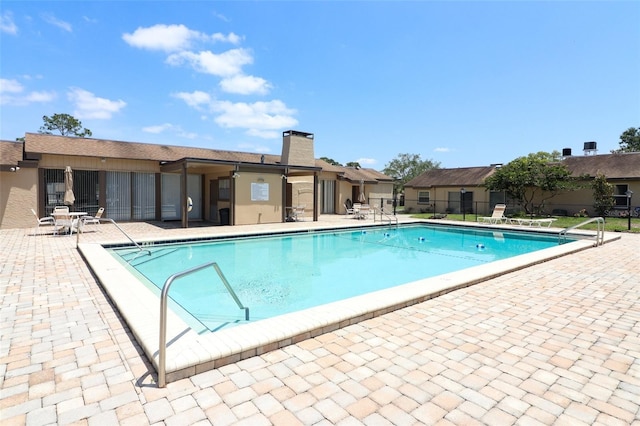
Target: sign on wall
point(259, 191)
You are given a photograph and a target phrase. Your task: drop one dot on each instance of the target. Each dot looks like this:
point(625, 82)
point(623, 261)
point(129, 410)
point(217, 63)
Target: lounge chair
point(93, 219)
point(299, 212)
point(497, 216)
point(532, 222)
point(349, 211)
point(43, 221)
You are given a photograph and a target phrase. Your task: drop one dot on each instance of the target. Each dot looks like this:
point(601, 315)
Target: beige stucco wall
point(574, 201)
point(302, 192)
point(248, 212)
point(96, 163)
point(440, 196)
point(18, 195)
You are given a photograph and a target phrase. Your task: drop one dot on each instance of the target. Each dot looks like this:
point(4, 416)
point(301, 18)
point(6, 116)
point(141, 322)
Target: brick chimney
point(297, 149)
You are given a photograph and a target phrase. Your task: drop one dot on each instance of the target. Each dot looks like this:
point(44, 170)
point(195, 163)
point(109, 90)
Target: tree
point(353, 164)
point(407, 166)
point(330, 161)
point(630, 140)
point(534, 178)
point(603, 200)
point(66, 124)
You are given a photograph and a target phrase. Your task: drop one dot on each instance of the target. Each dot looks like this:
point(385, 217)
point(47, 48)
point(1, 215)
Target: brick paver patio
point(556, 343)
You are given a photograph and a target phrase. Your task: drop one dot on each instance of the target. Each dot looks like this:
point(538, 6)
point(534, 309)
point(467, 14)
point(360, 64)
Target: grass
point(612, 224)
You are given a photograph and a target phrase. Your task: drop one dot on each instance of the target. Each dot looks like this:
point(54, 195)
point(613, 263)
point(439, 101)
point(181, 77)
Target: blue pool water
point(274, 275)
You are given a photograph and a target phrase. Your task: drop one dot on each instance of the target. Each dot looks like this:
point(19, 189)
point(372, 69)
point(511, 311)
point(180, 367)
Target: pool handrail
point(106, 219)
point(382, 212)
point(562, 236)
point(162, 347)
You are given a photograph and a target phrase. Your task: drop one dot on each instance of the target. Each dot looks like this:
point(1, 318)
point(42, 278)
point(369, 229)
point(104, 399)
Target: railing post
point(162, 340)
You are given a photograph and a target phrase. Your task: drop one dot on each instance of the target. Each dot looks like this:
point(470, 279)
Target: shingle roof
point(37, 143)
point(613, 166)
point(464, 176)
point(10, 153)
point(62, 145)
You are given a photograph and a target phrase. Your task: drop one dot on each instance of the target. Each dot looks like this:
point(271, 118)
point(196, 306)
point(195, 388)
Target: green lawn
point(612, 224)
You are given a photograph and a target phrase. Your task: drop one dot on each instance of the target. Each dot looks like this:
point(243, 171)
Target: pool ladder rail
point(562, 236)
point(106, 219)
point(162, 348)
point(390, 217)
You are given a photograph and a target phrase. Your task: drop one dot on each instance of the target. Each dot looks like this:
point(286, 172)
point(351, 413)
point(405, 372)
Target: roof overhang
point(177, 166)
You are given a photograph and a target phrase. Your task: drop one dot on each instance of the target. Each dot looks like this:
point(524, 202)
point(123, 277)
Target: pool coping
point(190, 353)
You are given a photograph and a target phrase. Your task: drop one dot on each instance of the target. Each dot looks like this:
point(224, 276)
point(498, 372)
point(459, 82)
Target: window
point(620, 196)
point(424, 197)
point(224, 189)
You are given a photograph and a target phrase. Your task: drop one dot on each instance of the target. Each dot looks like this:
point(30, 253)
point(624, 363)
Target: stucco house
point(142, 181)
point(448, 190)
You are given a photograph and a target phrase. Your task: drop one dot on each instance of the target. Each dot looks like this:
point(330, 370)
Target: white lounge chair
point(497, 216)
point(349, 211)
point(93, 219)
point(532, 222)
point(42, 221)
point(299, 212)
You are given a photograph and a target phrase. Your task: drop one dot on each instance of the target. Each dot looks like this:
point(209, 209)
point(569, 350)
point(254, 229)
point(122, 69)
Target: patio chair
point(95, 220)
point(349, 211)
point(42, 221)
point(365, 209)
point(497, 216)
point(299, 212)
point(62, 219)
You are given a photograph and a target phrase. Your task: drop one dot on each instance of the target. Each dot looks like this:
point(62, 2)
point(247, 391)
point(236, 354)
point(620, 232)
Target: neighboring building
point(139, 181)
point(622, 170)
point(441, 190)
point(448, 190)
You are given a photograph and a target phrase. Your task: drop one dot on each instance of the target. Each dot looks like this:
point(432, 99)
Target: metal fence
point(481, 208)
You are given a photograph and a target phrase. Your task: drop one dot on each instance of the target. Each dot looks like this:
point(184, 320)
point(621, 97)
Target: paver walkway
point(557, 343)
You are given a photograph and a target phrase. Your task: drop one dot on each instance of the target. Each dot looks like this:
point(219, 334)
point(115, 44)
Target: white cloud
point(7, 25)
point(177, 130)
point(172, 38)
point(89, 105)
point(10, 86)
point(367, 161)
point(250, 147)
point(158, 128)
point(441, 149)
point(245, 85)
point(194, 99)
point(257, 117)
point(12, 93)
point(50, 19)
point(225, 64)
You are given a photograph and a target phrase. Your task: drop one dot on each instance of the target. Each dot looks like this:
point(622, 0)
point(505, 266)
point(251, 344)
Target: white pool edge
point(189, 353)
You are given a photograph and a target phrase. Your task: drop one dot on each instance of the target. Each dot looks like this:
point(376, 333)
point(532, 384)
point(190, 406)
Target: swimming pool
point(276, 275)
point(189, 351)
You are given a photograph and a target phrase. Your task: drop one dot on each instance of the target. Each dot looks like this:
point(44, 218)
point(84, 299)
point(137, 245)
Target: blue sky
point(460, 83)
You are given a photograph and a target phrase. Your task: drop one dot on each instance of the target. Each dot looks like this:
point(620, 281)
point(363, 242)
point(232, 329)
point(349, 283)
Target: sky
point(458, 83)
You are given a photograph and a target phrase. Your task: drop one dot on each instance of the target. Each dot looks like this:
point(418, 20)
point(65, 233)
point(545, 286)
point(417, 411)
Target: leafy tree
point(66, 124)
point(330, 161)
point(407, 166)
point(534, 178)
point(353, 164)
point(630, 140)
point(602, 195)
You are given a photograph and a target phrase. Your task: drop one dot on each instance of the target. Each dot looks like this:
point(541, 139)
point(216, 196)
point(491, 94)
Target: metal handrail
point(382, 212)
point(162, 349)
point(599, 233)
point(106, 219)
